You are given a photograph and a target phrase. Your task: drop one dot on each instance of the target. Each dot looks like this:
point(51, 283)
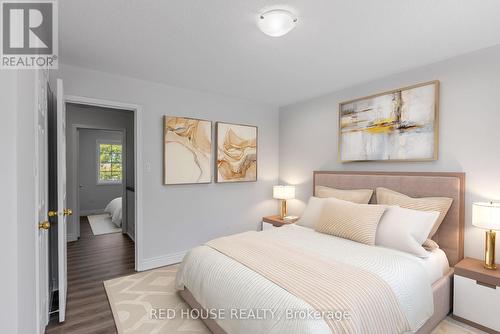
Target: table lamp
point(487, 216)
point(283, 193)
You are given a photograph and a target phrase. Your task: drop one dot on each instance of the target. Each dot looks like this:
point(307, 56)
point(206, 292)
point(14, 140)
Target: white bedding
point(114, 208)
point(219, 282)
point(436, 265)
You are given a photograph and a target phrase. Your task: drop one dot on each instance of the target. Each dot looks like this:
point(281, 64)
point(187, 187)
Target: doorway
point(101, 169)
point(101, 180)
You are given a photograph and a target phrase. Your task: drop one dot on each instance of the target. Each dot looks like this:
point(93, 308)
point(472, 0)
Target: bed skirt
point(441, 290)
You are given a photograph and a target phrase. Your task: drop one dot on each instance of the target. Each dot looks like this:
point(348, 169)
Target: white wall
point(468, 134)
point(17, 105)
point(177, 218)
point(8, 202)
point(27, 230)
point(94, 197)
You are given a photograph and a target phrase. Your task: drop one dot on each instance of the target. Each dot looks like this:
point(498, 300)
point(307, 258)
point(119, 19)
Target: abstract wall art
point(393, 126)
point(187, 150)
point(236, 152)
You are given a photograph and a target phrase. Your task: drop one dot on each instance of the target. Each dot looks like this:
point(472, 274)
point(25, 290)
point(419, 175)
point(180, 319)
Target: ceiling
point(215, 46)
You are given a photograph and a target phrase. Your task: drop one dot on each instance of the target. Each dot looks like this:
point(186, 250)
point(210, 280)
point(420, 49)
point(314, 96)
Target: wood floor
point(92, 260)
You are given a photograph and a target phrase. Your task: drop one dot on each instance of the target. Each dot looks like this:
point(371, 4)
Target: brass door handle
point(67, 212)
point(52, 213)
point(44, 225)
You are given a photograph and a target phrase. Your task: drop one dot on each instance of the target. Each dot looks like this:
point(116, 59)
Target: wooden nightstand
point(476, 295)
point(270, 222)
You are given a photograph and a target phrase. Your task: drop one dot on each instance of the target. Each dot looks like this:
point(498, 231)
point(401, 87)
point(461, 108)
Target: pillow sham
point(357, 222)
point(405, 229)
point(440, 204)
point(360, 196)
point(312, 212)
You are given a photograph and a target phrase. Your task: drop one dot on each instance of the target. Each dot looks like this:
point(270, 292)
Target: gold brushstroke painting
point(236, 152)
point(397, 125)
point(187, 150)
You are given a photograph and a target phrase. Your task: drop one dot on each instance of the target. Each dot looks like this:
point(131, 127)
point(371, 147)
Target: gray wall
point(8, 202)
point(177, 218)
point(94, 197)
point(17, 200)
point(84, 116)
point(468, 132)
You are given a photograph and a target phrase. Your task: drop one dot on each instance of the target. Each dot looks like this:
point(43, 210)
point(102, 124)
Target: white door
point(41, 198)
point(61, 199)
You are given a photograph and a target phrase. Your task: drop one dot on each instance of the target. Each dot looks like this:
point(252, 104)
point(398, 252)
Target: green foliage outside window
point(110, 163)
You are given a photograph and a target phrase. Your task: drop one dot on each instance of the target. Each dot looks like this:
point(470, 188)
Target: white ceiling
point(215, 46)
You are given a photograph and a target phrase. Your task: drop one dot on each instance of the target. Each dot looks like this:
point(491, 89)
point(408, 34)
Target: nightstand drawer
point(476, 302)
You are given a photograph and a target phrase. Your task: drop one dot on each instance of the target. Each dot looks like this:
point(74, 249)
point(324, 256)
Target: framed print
point(397, 125)
point(187, 150)
point(236, 152)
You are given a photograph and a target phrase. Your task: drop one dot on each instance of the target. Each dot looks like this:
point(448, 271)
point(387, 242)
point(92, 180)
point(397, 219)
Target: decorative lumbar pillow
point(361, 196)
point(312, 212)
point(440, 204)
point(405, 229)
point(357, 222)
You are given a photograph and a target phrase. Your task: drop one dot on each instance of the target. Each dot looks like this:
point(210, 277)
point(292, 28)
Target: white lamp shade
point(284, 192)
point(486, 215)
point(277, 22)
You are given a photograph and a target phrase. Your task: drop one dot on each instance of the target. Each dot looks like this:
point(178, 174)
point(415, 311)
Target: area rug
point(135, 299)
point(139, 303)
point(102, 224)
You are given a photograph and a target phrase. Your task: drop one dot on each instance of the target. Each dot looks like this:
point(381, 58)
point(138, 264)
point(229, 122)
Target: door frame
point(137, 110)
point(75, 172)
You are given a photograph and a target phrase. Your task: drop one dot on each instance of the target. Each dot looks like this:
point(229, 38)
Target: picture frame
point(392, 126)
point(236, 156)
point(187, 150)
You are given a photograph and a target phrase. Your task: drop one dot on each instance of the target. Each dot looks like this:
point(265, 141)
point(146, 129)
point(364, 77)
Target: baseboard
point(71, 237)
point(130, 236)
point(161, 261)
point(91, 212)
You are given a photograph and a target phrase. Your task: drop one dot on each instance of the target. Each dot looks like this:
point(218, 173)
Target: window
point(109, 164)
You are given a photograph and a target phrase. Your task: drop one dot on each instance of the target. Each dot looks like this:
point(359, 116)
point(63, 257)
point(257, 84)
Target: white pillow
point(312, 212)
point(405, 229)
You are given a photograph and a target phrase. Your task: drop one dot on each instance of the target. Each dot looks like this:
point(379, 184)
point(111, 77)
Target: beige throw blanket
point(367, 303)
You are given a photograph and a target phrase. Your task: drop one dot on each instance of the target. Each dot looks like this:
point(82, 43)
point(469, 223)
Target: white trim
point(75, 134)
point(161, 261)
point(137, 109)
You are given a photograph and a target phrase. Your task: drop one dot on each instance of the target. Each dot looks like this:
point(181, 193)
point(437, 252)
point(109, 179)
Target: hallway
point(92, 260)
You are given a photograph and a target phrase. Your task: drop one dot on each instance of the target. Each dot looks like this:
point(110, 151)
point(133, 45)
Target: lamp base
point(282, 208)
point(489, 250)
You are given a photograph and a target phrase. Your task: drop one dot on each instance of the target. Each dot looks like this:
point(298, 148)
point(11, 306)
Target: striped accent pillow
point(357, 222)
point(430, 245)
point(441, 204)
point(361, 196)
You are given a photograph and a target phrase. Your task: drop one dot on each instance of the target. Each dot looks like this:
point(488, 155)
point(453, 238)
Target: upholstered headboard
point(450, 235)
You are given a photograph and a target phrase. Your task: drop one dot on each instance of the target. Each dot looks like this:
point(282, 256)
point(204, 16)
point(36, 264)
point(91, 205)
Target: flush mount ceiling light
point(276, 22)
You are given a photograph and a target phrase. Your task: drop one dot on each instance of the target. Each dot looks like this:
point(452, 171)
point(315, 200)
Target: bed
point(114, 209)
point(418, 292)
